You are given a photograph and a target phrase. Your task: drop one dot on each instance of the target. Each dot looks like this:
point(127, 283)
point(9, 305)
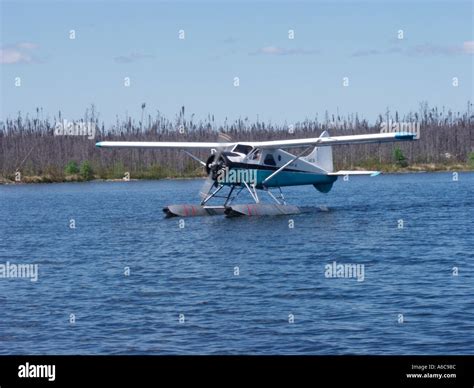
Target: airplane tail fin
point(321, 156)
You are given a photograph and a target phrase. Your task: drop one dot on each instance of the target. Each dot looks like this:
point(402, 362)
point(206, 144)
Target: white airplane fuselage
point(257, 166)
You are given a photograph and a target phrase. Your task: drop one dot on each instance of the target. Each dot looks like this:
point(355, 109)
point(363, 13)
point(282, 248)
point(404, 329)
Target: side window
point(269, 160)
point(256, 154)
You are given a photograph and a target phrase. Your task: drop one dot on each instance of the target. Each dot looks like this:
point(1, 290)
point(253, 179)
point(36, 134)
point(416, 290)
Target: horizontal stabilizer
point(348, 172)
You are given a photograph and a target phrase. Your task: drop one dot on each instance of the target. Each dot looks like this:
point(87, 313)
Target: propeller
point(215, 163)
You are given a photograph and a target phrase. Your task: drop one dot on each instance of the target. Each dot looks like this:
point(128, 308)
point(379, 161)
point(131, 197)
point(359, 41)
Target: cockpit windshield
point(242, 148)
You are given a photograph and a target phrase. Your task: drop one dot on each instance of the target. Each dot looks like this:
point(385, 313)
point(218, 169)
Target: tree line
point(28, 142)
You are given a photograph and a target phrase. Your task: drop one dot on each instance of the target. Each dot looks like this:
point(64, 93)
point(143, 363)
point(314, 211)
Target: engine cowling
point(214, 167)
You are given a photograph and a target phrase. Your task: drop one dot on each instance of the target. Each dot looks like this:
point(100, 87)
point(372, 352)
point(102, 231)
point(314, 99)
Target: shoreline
point(385, 169)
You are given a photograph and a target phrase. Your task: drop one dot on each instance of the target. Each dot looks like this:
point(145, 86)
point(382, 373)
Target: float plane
point(262, 166)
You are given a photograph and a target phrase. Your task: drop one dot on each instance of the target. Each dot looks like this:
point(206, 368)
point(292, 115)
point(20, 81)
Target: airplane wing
point(161, 144)
point(274, 144)
point(336, 140)
point(354, 172)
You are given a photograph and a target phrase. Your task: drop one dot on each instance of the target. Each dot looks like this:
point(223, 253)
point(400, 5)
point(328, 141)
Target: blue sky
point(280, 79)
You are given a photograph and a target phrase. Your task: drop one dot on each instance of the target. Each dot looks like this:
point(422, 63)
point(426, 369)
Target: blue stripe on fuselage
point(284, 178)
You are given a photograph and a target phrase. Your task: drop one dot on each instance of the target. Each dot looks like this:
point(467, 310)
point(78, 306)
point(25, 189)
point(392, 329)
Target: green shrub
point(71, 168)
point(471, 159)
point(400, 159)
point(86, 171)
point(117, 171)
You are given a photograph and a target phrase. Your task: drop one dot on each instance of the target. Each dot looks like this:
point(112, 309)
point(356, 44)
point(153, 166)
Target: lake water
point(278, 301)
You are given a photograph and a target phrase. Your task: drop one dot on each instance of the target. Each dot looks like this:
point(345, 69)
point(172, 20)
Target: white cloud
point(18, 53)
point(430, 49)
point(275, 50)
point(468, 47)
point(365, 53)
point(27, 45)
point(426, 49)
point(11, 56)
point(133, 57)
